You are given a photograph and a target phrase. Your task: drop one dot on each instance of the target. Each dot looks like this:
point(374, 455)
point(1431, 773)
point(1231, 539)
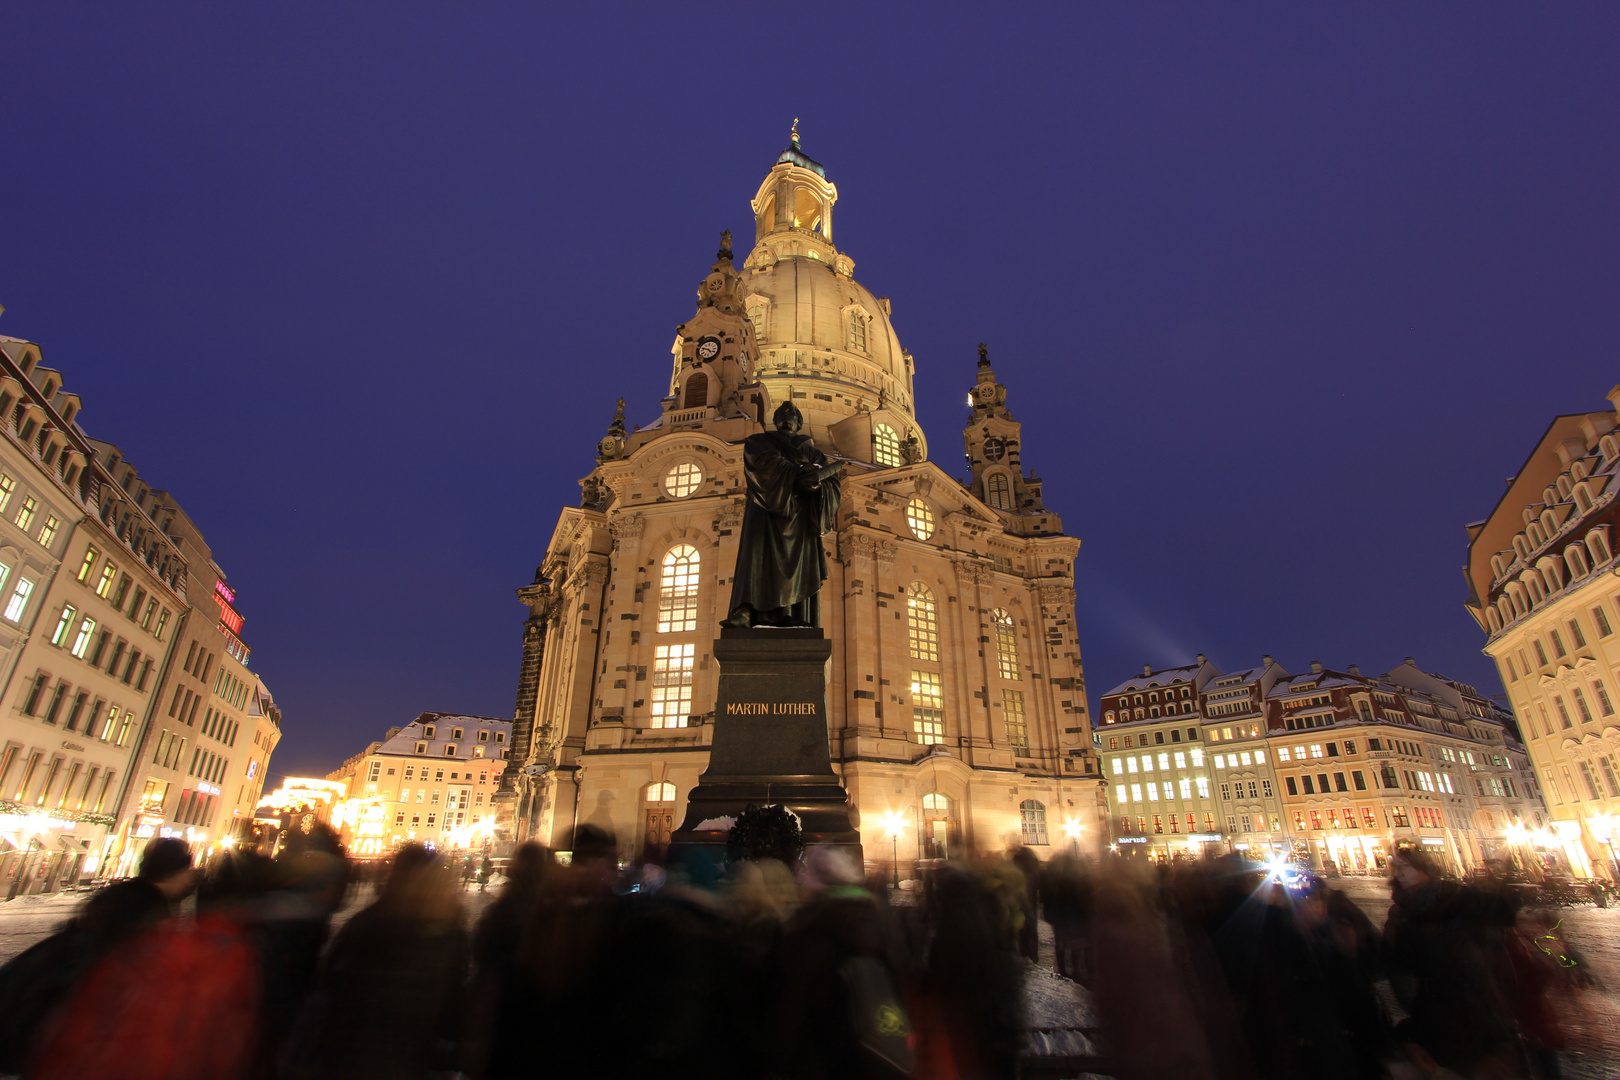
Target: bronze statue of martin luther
point(793, 494)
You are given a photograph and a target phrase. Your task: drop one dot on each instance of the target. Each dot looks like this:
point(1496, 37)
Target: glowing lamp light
point(894, 823)
point(1072, 828)
point(1602, 826)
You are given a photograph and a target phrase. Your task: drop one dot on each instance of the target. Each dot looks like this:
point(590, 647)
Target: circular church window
point(682, 480)
point(919, 518)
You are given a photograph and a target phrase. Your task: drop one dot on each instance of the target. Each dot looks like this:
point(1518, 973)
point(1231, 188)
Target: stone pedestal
point(770, 739)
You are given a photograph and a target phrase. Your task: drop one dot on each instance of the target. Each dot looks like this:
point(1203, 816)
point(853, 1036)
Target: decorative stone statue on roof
point(611, 446)
point(793, 495)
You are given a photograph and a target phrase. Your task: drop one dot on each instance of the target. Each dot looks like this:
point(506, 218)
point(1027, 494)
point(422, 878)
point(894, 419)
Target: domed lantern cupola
point(796, 197)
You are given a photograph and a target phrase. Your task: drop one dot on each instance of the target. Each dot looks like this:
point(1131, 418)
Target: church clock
point(708, 349)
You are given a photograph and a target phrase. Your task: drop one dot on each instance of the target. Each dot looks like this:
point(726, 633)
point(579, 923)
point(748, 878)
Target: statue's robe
point(781, 564)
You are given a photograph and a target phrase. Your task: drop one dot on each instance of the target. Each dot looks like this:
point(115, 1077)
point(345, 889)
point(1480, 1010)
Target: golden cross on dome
point(795, 131)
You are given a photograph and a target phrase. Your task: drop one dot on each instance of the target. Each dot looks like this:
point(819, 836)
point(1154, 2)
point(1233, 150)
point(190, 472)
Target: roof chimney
point(1411, 661)
point(1316, 667)
point(1354, 669)
point(1147, 669)
point(1267, 660)
point(1202, 659)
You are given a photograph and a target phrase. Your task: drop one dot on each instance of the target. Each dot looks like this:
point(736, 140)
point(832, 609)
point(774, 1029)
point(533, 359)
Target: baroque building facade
point(1331, 769)
point(431, 781)
point(956, 697)
point(102, 579)
point(1544, 586)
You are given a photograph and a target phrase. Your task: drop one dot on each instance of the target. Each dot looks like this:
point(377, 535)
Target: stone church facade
point(956, 699)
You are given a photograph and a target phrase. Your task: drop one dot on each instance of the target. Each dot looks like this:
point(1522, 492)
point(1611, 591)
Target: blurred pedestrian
point(502, 1047)
point(1445, 947)
point(1029, 903)
point(178, 1002)
point(840, 1015)
point(1537, 977)
point(37, 982)
point(388, 999)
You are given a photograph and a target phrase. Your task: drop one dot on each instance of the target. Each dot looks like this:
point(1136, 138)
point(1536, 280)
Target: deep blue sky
point(1281, 294)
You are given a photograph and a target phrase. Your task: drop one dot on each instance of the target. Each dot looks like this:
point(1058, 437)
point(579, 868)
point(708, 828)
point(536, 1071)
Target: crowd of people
point(753, 968)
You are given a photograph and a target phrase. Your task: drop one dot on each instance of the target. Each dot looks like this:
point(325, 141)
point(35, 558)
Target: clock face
point(994, 449)
point(708, 349)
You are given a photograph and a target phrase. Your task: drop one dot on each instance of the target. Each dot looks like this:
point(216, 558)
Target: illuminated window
point(678, 590)
point(672, 685)
point(1012, 701)
point(936, 802)
point(87, 630)
point(89, 564)
point(857, 331)
point(63, 625)
point(1032, 817)
point(108, 573)
point(886, 446)
point(7, 486)
point(927, 707)
point(682, 480)
point(47, 534)
point(997, 492)
point(919, 518)
point(664, 792)
point(1006, 644)
point(19, 599)
point(25, 514)
point(922, 622)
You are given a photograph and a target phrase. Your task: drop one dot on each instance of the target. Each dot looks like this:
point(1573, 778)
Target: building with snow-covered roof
point(430, 781)
point(1332, 769)
point(1541, 584)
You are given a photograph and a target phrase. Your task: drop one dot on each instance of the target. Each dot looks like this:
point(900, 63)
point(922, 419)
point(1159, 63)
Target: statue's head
point(787, 418)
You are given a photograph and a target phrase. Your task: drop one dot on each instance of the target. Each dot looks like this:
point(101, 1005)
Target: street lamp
point(896, 824)
point(1072, 828)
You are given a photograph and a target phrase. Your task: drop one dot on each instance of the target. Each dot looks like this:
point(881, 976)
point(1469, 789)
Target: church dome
point(823, 337)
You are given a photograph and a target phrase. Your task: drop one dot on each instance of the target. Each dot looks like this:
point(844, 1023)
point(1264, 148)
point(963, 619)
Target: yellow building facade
point(1544, 585)
point(956, 697)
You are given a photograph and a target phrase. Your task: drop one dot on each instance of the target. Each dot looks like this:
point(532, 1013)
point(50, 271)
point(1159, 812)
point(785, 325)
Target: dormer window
point(456, 734)
point(857, 331)
point(886, 446)
point(428, 731)
point(483, 736)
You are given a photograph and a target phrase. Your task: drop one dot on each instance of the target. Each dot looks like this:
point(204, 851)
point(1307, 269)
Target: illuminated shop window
point(919, 518)
point(922, 622)
point(678, 590)
point(927, 707)
point(682, 480)
point(672, 685)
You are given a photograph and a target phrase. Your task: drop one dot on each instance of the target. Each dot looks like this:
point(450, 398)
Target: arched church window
point(1006, 644)
point(697, 391)
point(886, 446)
point(997, 492)
point(857, 331)
point(923, 622)
point(682, 480)
point(1032, 818)
point(664, 792)
point(678, 589)
point(919, 518)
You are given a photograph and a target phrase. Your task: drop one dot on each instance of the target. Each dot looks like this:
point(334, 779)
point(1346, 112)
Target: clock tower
point(994, 459)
